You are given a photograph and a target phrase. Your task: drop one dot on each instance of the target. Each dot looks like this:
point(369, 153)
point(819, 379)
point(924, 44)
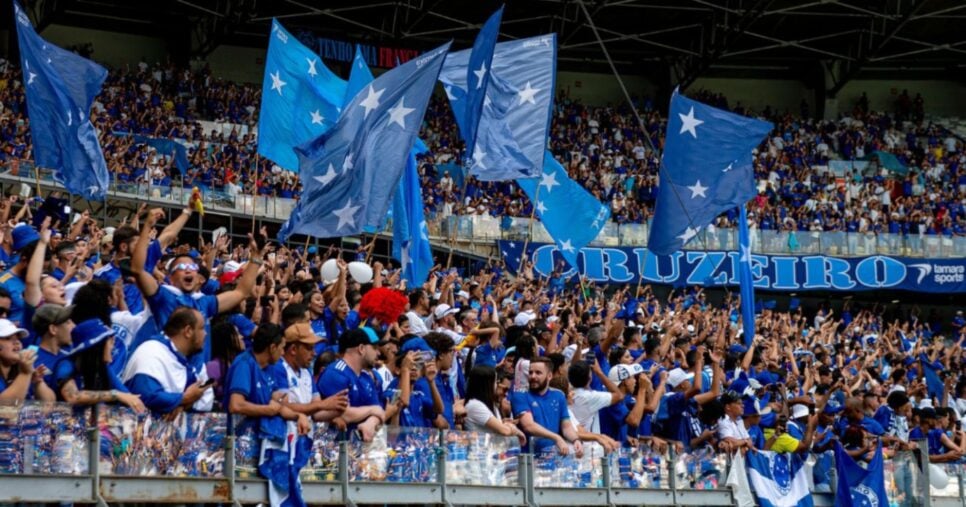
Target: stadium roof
point(688, 37)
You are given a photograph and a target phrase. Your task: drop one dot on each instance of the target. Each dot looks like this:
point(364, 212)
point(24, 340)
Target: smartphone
point(395, 396)
point(208, 383)
point(33, 348)
point(266, 300)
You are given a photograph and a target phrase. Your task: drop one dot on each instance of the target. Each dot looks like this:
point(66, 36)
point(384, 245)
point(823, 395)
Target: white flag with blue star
point(779, 480)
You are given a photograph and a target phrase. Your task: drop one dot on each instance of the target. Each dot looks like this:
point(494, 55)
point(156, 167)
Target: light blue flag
point(359, 77)
point(478, 76)
point(707, 170)
point(779, 480)
point(572, 216)
point(410, 236)
point(745, 280)
point(60, 88)
point(350, 173)
point(301, 98)
point(515, 121)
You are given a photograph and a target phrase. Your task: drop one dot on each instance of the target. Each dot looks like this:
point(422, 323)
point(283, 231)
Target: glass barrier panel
point(632, 234)
point(902, 480)
point(551, 470)
point(323, 462)
point(823, 472)
point(944, 479)
point(395, 454)
point(43, 438)
point(189, 445)
point(480, 458)
point(246, 449)
point(700, 469)
point(639, 467)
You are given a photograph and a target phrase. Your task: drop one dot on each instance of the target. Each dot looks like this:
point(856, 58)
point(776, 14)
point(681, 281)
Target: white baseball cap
point(799, 410)
point(523, 318)
point(443, 310)
point(677, 375)
point(622, 372)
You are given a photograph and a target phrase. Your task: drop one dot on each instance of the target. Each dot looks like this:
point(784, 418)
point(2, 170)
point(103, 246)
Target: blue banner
point(770, 272)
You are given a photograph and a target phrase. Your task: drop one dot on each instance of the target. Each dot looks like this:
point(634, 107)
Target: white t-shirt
point(587, 405)
point(417, 325)
point(732, 429)
point(477, 414)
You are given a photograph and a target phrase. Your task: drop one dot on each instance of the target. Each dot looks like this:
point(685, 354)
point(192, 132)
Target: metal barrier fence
point(108, 454)
point(483, 228)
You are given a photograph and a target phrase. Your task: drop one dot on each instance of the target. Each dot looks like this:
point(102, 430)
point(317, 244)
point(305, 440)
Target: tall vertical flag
point(478, 77)
point(350, 173)
point(857, 486)
point(60, 88)
point(707, 170)
point(301, 98)
point(779, 479)
point(513, 133)
point(745, 280)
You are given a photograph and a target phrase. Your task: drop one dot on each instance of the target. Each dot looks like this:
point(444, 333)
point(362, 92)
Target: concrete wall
point(237, 63)
point(946, 98)
point(601, 89)
point(756, 94)
point(110, 48)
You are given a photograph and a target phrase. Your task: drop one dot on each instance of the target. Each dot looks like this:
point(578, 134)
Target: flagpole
point(255, 190)
point(533, 213)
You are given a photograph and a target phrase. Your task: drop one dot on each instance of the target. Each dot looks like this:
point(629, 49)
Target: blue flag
point(478, 76)
point(350, 173)
point(857, 486)
point(572, 216)
point(301, 98)
point(745, 279)
point(515, 120)
point(410, 236)
point(359, 77)
point(60, 88)
point(167, 147)
point(779, 480)
point(707, 170)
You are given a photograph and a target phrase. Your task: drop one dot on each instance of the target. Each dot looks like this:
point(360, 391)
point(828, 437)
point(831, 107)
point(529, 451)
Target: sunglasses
point(185, 266)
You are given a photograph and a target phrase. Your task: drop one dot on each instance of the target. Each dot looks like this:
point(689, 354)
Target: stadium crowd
point(603, 149)
point(288, 336)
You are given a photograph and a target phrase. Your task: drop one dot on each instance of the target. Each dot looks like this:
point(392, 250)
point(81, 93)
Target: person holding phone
point(160, 370)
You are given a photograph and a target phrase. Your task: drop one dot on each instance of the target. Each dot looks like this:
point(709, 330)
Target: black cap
point(361, 336)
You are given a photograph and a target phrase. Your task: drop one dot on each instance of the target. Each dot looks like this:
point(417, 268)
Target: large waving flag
point(301, 98)
point(779, 480)
point(515, 119)
point(60, 88)
point(478, 77)
point(350, 173)
point(572, 216)
point(707, 170)
point(857, 486)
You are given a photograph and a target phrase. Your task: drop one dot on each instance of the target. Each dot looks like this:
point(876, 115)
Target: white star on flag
point(398, 113)
point(689, 122)
point(688, 234)
point(312, 62)
point(549, 180)
point(372, 100)
point(404, 253)
point(697, 190)
point(70, 118)
point(345, 214)
point(277, 82)
point(730, 167)
point(326, 178)
point(478, 156)
point(566, 246)
point(541, 208)
point(32, 77)
point(479, 75)
point(317, 118)
point(745, 254)
point(424, 230)
point(527, 94)
point(347, 164)
point(513, 245)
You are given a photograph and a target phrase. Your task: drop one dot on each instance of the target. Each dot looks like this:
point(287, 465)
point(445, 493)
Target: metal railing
point(107, 454)
point(484, 228)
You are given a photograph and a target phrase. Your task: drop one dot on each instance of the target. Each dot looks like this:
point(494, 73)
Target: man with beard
point(359, 351)
point(543, 413)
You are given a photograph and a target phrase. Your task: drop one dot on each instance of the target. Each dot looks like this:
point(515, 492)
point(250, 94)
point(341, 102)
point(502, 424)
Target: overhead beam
point(795, 43)
point(632, 36)
point(856, 67)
